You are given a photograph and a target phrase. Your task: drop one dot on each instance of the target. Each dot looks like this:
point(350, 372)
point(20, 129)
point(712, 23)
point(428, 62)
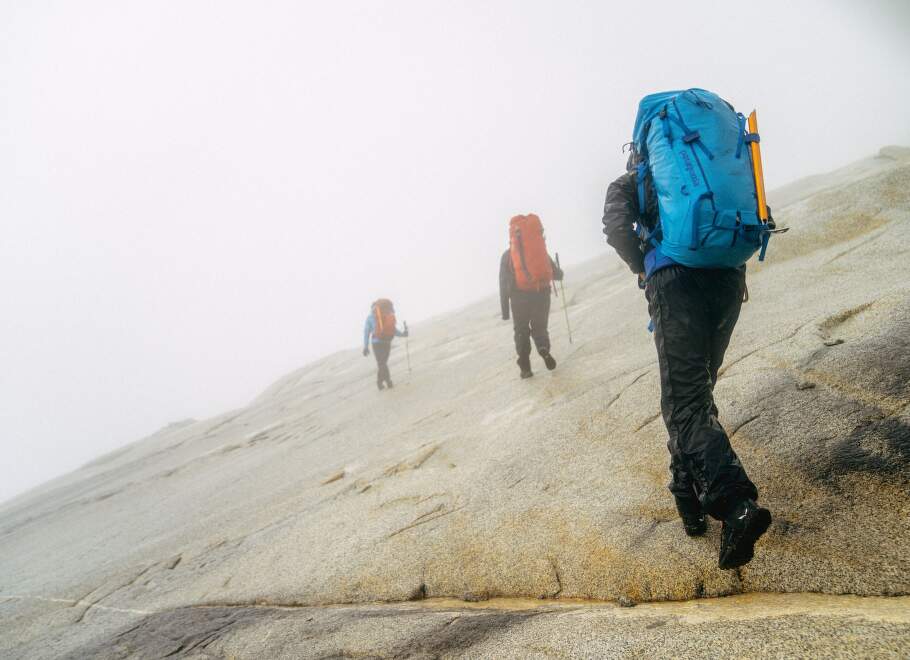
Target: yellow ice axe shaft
point(757, 169)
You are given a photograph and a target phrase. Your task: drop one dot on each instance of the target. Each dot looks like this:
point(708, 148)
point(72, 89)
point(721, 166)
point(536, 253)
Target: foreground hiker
point(688, 251)
point(379, 330)
point(525, 274)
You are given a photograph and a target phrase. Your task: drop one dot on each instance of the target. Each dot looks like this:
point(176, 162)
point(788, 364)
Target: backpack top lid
point(384, 305)
point(531, 218)
point(650, 106)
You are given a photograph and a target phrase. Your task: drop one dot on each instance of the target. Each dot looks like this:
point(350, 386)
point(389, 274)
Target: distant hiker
point(379, 330)
point(688, 243)
point(525, 273)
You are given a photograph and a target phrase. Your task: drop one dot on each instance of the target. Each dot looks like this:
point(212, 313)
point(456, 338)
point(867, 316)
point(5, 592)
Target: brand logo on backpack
point(690, 169)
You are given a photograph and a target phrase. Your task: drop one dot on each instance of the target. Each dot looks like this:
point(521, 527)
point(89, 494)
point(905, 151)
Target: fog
point(197, 197)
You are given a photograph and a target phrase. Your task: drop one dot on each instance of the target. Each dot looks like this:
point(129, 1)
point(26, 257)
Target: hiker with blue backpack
point(685, 217)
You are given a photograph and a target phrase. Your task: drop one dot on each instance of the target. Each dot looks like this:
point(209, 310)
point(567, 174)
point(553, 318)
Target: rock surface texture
point(273, 530)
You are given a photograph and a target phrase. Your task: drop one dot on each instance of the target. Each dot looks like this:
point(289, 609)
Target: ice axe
point(757, 171)
point(562, 287)
point(759, 176)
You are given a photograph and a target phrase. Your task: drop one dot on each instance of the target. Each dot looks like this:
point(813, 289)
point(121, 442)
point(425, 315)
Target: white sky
point(197, 197)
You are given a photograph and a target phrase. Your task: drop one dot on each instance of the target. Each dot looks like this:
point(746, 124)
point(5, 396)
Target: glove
point(406, 333)
point(366, 351)
point(558, 275)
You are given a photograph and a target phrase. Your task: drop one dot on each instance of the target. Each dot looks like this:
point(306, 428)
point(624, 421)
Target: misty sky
point(197, 197)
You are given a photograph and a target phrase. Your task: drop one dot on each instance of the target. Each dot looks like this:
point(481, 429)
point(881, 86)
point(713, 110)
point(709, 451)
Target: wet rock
point(322, 491)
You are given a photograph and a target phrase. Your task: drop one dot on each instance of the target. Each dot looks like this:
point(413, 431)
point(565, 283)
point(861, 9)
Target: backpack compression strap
point(521, 255)
point(377, 312)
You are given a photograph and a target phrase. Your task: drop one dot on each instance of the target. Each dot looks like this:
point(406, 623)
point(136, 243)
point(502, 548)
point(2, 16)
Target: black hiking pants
point(530, 315)
point(381, 350)
point(694, 312)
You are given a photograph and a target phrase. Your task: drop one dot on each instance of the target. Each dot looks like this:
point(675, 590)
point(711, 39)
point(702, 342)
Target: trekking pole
point(565, 309)
point(407, 345)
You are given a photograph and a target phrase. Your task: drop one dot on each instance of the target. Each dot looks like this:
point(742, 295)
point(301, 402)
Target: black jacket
point(507, 281)
point(621, 212)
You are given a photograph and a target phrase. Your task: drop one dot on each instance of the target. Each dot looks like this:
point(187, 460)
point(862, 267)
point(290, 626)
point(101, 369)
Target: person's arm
point(620, 214)
point(505, 283)
point(367, 331)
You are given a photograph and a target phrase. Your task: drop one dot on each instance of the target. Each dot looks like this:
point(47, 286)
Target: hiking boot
point(380, 385)
point(389, 384)
point(693, 518)
point(548, 360)
point(740, 532)
point(694, 524)
point(525, 365)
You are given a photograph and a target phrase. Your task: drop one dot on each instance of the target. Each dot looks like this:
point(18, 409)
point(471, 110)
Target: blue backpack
point(695, 148)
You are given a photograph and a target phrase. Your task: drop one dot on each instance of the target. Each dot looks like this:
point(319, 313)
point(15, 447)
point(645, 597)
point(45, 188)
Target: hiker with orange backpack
point(686, 216)
point(525, 275)
point(379, 330)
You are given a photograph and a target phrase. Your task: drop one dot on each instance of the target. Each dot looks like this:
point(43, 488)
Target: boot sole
point(695, 531)
point(745, 548)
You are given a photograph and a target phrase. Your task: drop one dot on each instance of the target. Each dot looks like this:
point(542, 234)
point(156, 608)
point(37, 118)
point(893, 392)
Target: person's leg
point(685, 496)
point(385, 367)
point(376, 350)
point(381, 351)
point(521, 322)
point(540, 319)
point(745, 521)
point(725, 299)
point(683, 332)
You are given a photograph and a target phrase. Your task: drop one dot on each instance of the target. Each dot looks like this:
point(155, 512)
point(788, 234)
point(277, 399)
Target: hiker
point(688, 252)
point(379, 330)
point(525, 274)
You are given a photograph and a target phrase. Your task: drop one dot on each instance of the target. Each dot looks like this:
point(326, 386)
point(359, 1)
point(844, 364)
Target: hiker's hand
point(771, 223)
point(558, 275)
point(366, 351)
point(641, 280)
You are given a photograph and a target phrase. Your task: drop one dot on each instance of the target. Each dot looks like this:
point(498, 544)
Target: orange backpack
point(528, 248)
point(384, 313)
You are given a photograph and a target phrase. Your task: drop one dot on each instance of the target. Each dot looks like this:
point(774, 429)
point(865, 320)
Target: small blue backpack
point(695, 148)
